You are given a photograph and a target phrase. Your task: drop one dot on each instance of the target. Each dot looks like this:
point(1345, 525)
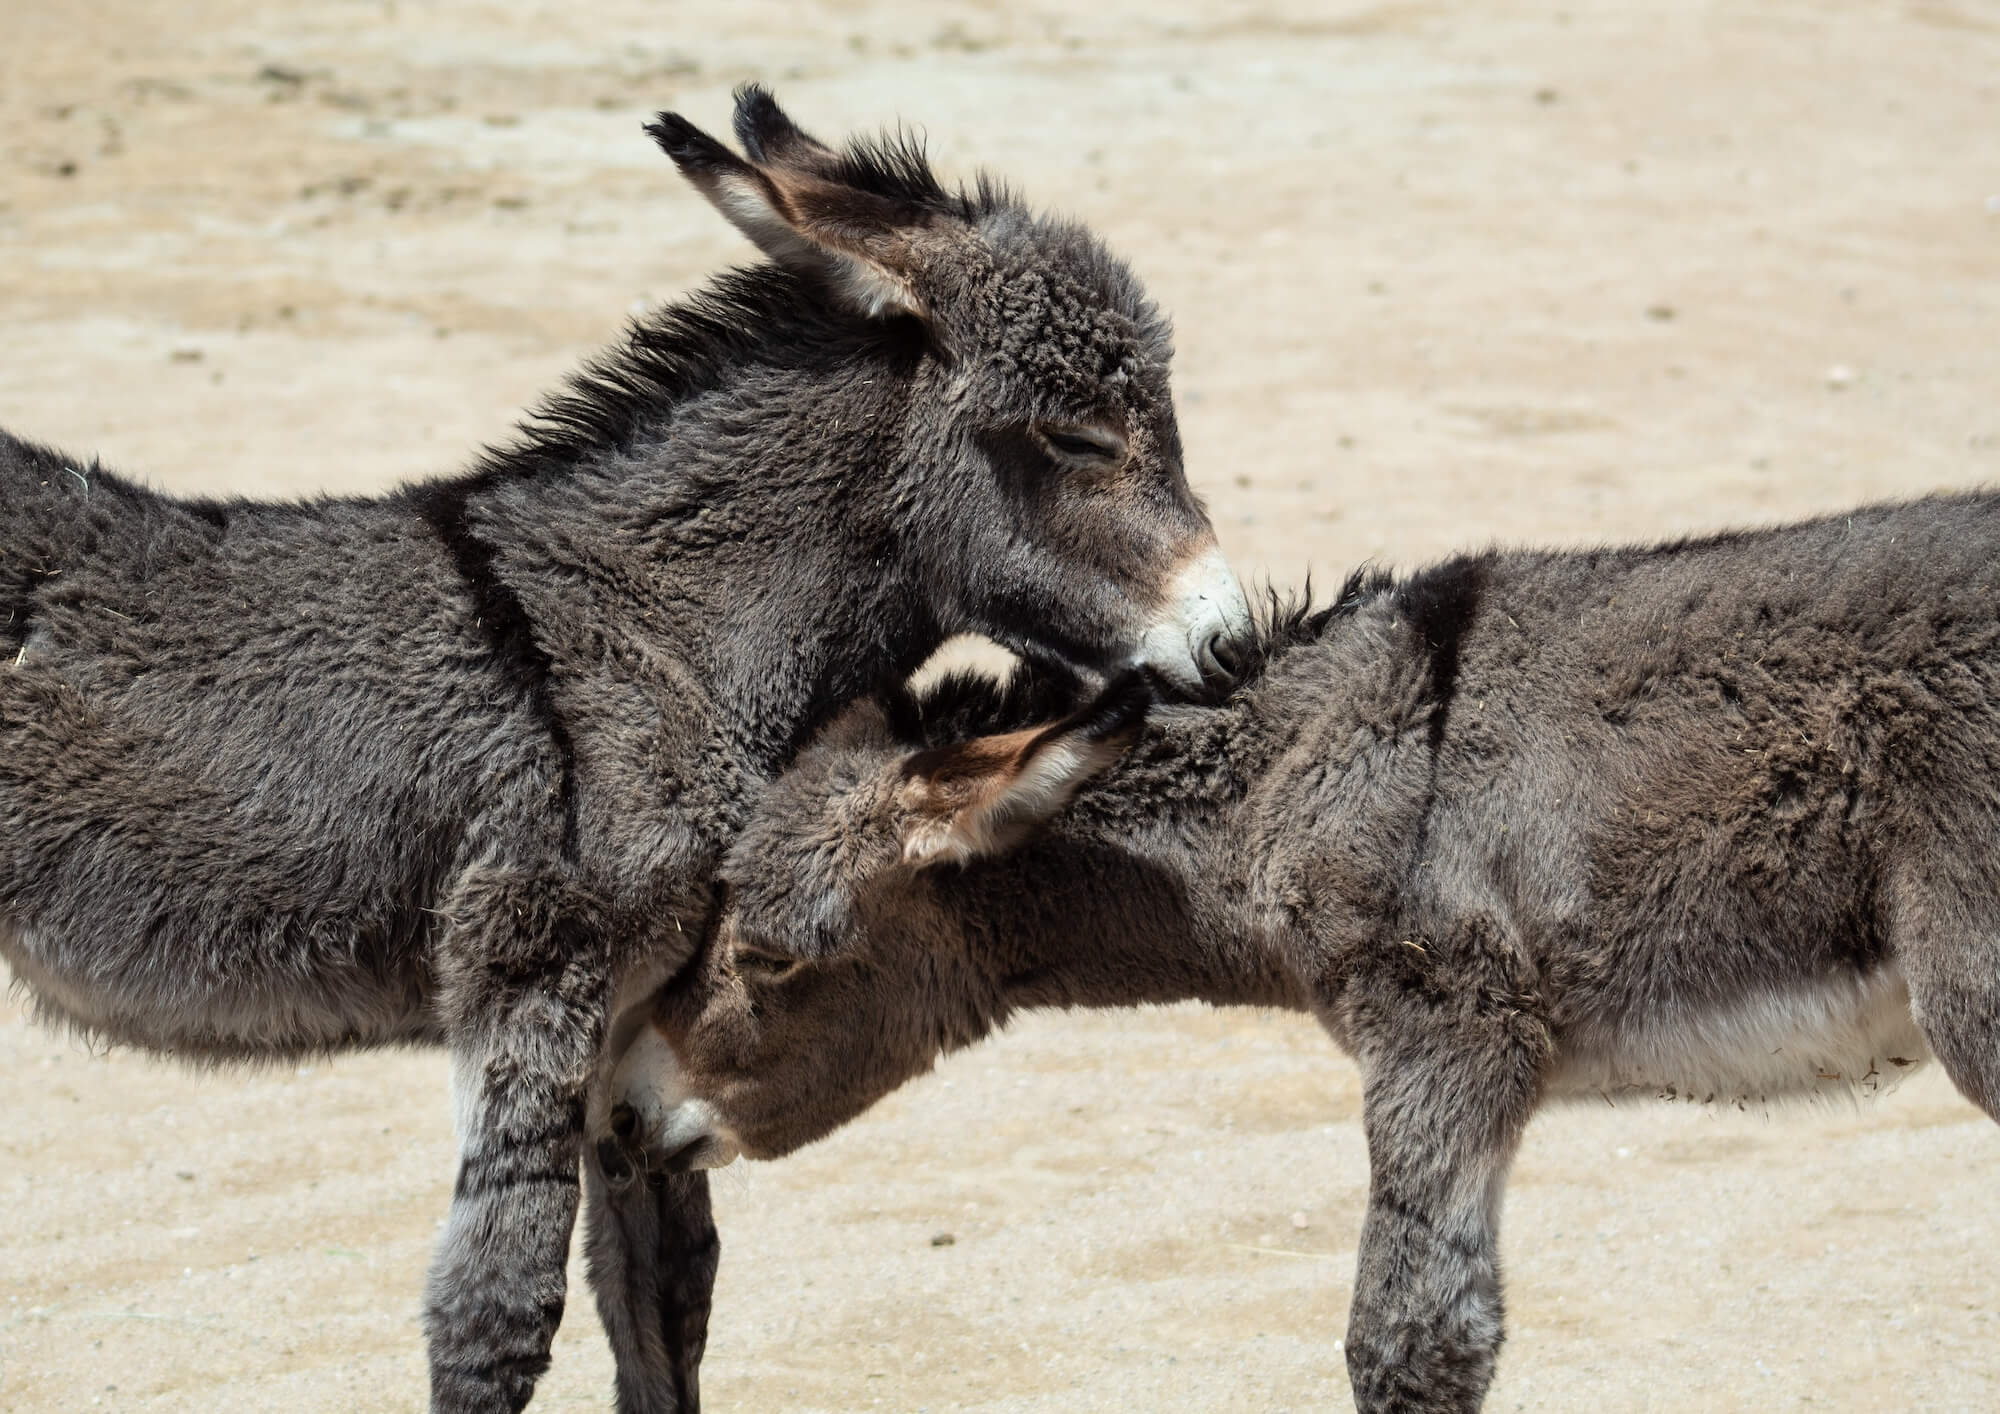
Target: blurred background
point(1441, 275)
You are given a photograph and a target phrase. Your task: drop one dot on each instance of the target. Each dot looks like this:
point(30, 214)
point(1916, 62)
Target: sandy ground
point(1557, 272)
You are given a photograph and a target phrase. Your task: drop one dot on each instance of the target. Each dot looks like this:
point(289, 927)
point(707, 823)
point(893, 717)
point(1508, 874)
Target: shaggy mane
point(896, 166)
point(1283, 622)
point(668, 356)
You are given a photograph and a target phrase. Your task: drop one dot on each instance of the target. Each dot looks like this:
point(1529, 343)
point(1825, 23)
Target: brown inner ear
point(860, 225)
point(948, 790)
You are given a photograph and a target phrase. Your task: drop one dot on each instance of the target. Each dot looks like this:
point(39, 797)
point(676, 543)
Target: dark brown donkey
point(450, 766)
point(1714, 820)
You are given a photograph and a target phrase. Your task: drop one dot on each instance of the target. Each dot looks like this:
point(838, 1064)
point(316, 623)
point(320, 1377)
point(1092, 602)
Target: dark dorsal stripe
point(1441, 603)
point(523, 664)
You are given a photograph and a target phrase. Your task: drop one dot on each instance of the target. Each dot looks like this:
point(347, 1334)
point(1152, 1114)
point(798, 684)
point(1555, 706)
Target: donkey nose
point(704, 1151)
point(688, 1156)
point(689, 1136)
point(1222, 657)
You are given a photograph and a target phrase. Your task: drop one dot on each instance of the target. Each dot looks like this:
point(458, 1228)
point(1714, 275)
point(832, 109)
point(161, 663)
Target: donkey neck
point(777, 575)
point(1140, 893)
point(731, 551)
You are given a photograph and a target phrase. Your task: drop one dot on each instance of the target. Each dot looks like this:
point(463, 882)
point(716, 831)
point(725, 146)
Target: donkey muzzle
point(705, 1151)
point(1188, 644)
point(655, 1118)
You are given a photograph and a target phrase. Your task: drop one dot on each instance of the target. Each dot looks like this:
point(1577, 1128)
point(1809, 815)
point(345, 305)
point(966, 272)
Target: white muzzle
point(674, 1127)
point(1206, 604)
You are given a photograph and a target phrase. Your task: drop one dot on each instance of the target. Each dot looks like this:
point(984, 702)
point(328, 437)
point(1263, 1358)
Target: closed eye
point(1095, 444)
point(764, 966)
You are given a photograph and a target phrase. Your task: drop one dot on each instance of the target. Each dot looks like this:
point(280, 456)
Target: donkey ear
point(772, 139)
point(789, 201)
point(986, 795)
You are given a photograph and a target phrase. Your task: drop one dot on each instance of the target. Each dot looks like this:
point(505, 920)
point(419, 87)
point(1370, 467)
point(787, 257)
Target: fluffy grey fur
point(453, 766)
point(1712, 820)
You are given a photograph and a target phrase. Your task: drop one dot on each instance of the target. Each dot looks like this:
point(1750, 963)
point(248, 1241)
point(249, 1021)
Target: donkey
point(1711, 820)
point(453, 765)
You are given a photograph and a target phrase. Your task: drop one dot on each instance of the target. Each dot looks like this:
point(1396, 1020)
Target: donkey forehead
point(1064, 310)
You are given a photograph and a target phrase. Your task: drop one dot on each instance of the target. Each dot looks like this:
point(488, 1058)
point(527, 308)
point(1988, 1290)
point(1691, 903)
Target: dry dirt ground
point(1555, 272)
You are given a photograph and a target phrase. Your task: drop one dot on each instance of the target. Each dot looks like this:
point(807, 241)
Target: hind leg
point(1950, 956)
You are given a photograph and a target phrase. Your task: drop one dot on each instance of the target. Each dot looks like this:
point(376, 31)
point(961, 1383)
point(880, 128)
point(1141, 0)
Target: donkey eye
point(1083, 443)
point(764, 966)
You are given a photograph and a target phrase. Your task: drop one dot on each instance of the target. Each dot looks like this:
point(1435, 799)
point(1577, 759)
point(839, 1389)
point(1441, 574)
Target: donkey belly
point(1845, 1033)
point(244, 1009)
point(218, 899)
point(240, 769)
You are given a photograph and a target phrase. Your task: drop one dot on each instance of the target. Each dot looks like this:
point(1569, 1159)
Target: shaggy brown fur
point(451, 766)
point(1711, 820)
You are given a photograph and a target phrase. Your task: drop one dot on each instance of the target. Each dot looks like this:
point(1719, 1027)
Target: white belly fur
point(1850, 1035)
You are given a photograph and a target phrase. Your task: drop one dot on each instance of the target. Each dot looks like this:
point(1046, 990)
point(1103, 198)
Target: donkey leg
point(1444, 1105)
point(1950, 955)
point(524, 979)
point(653, 1252)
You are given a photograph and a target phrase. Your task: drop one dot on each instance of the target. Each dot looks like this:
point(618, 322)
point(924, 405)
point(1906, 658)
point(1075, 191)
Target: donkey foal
point(452, 765)
point(1713, 820)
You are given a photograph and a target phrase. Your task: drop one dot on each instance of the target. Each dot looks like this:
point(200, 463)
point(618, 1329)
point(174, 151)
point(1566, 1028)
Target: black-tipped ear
point(986, 795)
point(860, 245)
point(1116, 714)
point(770, 137)
point(693, 150)
point(940, 709)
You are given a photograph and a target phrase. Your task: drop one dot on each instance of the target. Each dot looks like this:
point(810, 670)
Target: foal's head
point(840, 968)
point(1013, 396)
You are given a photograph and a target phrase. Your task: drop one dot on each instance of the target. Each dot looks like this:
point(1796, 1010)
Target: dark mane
point(668, 356)
point(762, 313)
point(895, 166)
point(1283, 622)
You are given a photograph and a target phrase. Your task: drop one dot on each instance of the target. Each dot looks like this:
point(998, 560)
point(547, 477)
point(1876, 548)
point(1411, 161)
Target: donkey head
point(1026, 465)
point(839, 968)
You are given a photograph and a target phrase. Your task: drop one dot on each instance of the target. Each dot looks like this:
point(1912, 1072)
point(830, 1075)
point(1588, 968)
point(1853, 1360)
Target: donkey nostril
point(612, 1161)
point(1221, 657)
point(624, 1120)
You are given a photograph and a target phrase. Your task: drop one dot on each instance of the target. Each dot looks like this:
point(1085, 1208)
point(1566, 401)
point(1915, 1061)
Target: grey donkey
point(453, 766)
point(1713, 820)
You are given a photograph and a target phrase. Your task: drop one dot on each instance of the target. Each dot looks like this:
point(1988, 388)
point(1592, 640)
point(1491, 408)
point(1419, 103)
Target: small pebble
point(1299, 1221)
point(1839, 376)
point(942, 1239)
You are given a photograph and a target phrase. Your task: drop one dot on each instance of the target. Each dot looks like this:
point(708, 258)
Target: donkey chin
point(1190, 644)
point(653, 1113)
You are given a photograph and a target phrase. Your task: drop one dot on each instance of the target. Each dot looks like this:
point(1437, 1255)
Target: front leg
point(1445, 1098)
point(653, 1253)
point(524, 981)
